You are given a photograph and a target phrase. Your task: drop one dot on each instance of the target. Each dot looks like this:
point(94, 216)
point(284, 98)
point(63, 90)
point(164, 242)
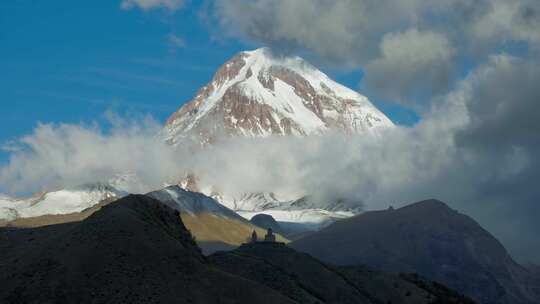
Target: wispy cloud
point(177, 42)
point(152, 4)
point(117, 73)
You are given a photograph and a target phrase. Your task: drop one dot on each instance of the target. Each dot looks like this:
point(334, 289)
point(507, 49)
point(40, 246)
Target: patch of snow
point(314, 218)
point(58, 202)
point(128, 182)
point(192, 203)
point(284, 210)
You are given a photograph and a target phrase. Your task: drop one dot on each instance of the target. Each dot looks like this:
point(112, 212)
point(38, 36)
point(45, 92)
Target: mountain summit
point(257, 94)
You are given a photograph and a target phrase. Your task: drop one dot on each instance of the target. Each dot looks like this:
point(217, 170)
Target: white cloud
point(64, 155)
point(340, 31)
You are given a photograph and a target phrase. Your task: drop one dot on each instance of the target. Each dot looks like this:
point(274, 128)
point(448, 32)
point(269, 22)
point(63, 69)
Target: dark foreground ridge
point(307, 280)
point(135, 250)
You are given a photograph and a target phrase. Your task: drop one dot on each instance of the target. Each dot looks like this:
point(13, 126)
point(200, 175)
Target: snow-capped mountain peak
point(258, 94)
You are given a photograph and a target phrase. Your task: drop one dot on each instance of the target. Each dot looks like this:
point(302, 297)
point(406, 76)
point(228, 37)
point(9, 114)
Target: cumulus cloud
point(504, 103)
point(152, 4)
point(340, 31)
point(426, 39)
point(406, 57)
point(505, 21)
point(351, 30)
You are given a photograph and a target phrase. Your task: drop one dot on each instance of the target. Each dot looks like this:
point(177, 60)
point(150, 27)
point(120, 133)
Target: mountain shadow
point(433, 240)
point(307, 280)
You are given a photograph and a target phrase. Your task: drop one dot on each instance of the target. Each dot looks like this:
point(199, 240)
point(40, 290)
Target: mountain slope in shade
point(307, 280)
point(214, 226)
point(257, 94)
point(134, 250)
point(433, 240)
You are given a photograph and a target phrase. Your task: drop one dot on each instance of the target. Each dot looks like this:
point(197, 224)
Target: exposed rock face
point(433, 240)
point(256, 94)
point(134, 250)
point(306, 280)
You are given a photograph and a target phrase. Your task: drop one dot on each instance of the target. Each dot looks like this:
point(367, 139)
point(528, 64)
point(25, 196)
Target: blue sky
point(65, 61)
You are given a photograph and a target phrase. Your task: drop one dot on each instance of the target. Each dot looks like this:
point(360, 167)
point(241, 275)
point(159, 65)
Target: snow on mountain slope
point(7, 212)
point(128, 182)
point(64, 201)
point(305, 211)
point(310, 219)
point(268, 200)
point(192, 203)
point(256, 94)
point(302, 211)
point(214, 226)
point(252, 201)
